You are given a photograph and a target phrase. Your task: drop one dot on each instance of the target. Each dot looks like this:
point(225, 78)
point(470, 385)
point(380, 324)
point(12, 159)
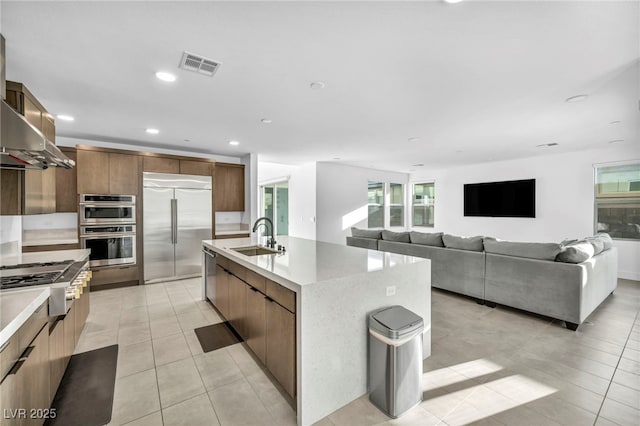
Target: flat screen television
point(514, 198)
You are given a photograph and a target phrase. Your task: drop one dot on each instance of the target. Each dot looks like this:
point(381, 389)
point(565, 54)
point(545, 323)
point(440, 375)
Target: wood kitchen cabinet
point(58, 358)
point(256, 323)
point(29, 191)
point(67, 185)
point(228, 187)
point(221, 300)
point(192, 167)
point(27, 385)
point(281, 346)
point(124, 171)
point(93, 172)
point(264, 313)
point(237, 304)
point(100, 172)
point(161, 164)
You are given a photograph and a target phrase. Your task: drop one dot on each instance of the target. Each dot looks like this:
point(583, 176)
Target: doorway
point(275, 206)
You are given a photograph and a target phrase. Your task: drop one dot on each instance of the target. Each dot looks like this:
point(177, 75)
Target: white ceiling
point(475, 81)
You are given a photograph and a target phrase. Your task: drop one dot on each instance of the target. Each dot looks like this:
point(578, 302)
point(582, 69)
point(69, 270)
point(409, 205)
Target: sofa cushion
point(541, 251)
point(462, 243)
point(576, 252)
point(399, 237)
point(606, 240)
point(366, 233)
point(427, 239)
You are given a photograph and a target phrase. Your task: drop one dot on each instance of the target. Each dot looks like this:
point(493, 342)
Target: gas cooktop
point(29, 274)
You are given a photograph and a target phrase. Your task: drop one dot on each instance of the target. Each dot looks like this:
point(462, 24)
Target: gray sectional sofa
point(566, 281)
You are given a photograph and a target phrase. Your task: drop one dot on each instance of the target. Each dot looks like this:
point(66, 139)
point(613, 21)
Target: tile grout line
point(616, 369)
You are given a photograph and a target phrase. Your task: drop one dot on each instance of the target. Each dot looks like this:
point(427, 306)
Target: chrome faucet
point(271, 242)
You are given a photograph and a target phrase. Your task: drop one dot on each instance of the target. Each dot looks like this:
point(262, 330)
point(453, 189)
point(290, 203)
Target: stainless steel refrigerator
point(177, 217)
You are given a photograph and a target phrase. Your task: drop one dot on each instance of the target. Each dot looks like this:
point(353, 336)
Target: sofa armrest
point(368, 243)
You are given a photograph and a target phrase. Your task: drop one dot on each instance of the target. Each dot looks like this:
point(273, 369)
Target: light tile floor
point(488, 366)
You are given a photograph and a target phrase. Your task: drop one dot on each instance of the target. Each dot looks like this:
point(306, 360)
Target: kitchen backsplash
point(10, 235)
point(50, 221)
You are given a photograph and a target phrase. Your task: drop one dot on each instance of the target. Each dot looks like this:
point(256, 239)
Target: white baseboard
point(629, 275)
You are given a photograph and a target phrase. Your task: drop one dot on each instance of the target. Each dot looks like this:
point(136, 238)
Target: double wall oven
point(108, 228)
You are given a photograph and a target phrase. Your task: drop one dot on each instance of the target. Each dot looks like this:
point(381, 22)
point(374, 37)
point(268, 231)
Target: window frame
point(603, 199)
point(402, 204)
point(383, 206)
point(413, 203)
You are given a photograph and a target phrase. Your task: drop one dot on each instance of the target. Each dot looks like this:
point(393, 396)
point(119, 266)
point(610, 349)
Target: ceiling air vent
point(199, 64)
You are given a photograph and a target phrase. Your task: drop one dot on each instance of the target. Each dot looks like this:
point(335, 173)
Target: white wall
point(10, 235)
point(564, 199)
point(272, 172)
point(342, 198)
point(302, 202)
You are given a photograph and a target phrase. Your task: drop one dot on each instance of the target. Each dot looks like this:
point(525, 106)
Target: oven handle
point(107, 235)
point(108, 204)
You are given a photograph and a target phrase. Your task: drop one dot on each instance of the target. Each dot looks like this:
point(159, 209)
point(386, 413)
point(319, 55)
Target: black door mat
point(85, 395)
point(217, 336)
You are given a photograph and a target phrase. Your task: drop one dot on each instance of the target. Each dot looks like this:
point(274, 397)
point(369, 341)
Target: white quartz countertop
point(76, 255)
point(16, 307)
point(43, 237)
point(307, 262)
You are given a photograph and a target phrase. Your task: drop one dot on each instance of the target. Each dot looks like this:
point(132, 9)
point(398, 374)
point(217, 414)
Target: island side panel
point(332, 332)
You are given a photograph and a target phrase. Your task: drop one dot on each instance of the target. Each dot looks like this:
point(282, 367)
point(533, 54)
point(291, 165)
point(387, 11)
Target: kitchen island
point(334, 287)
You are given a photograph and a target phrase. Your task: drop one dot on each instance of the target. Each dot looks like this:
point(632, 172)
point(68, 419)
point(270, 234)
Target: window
point(423, 204)
point(376, 205)
point(618, 201)
point(396, 204)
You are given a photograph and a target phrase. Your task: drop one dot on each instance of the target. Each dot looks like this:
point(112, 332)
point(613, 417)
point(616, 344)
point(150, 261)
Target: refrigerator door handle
point(174, 221)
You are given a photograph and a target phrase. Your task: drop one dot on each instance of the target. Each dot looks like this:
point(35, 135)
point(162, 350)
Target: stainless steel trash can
point(395, 359)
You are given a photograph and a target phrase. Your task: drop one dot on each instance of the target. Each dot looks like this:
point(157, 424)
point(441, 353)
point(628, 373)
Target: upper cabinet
point(160, 164)
point(29, 191)
point(228, 187)
point(101, 172)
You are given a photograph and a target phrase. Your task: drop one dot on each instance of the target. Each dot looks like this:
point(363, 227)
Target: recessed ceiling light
point(577, 98)
point(546, 145)
point(187, 140)
point(617, 141)
point(459, 150)
point(414, 139)
point(412, 170)
point(234, 143)
point(616, 122)
point(64, 117)
point(317, 85)
point(417, 165)
point(152, 131)
point(452, 1)
point(266, 121)
point(336, 158)
point(165, 76)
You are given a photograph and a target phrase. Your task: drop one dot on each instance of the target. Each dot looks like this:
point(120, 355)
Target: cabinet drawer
point(282, 295)
point(237, 270)
point(257, 281)
point(223, 262)
point(9, 354)
point(33, 325)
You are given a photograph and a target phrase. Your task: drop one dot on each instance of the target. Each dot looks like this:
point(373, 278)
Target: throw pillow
point(366, 233)
point(399, 237)
point(576, 252)
point(432, 239)
point(540, 251)
point(463, 243)
point(606, 240)
point(597, 243)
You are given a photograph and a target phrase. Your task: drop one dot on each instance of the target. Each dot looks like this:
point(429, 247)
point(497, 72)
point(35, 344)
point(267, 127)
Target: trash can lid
point(395, 321)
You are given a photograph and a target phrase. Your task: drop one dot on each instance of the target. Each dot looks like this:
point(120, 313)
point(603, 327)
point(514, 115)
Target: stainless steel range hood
point(24, 147)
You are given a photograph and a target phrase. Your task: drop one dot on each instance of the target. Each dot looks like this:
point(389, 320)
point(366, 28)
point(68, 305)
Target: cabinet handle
point(27, 352)
point(16, 367)
point(269, 299)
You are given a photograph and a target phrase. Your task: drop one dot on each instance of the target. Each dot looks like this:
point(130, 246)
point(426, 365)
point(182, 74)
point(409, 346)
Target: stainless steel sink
point(254, 250)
